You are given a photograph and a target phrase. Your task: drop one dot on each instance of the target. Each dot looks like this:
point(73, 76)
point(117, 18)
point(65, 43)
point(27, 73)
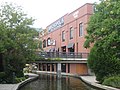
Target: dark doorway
point(53, 67)
point(68, 68)
point(70, 49)
point(63, 54)
point(56, 67)
point(40, 66)
point(48, 67)
point(63, 67)
point(1, 63)
point(63, 49)
point(44, 67)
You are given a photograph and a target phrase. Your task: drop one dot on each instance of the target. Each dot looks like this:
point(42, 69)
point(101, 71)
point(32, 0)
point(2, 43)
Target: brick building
point(67, 34)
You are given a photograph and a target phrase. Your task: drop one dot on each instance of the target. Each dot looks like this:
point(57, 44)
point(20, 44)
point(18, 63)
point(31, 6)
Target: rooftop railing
point(63, 55)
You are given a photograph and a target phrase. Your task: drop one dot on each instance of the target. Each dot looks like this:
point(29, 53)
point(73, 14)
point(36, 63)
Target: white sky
point(47, 11)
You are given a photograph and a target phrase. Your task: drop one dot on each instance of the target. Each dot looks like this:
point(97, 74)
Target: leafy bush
point(2, 77)
point(26, 76)
point(2, 74)
point(113, 81)
point(103, 32)
point(103, 62)
point(17, 80)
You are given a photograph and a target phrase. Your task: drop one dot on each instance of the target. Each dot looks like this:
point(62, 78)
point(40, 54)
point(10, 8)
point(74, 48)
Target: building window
point(81, 29)
point(63, 35)
point(71, 32)
point(48, 42)
point(44, 43)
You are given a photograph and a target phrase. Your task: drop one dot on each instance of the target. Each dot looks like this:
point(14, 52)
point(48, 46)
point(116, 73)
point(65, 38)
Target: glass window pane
point(81, 29)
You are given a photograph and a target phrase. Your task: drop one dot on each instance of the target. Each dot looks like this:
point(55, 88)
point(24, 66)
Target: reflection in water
point(51, 82)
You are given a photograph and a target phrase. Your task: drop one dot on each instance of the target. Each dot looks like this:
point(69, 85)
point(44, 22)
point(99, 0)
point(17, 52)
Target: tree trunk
point(1, 63)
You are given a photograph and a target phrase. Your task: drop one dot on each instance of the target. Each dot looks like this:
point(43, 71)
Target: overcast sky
point(47, 11)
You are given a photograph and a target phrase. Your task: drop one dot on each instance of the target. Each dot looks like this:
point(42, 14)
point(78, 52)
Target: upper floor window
point(81, 29)
point(44, 43)
point(63, 35)
point(48, 42)
point(71, 32)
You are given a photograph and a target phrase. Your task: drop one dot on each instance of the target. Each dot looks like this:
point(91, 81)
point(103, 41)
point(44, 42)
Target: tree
point(17, 45)
point(104, 31)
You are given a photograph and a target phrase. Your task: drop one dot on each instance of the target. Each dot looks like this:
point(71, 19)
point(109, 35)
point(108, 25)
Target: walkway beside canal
point(91, 80)
point(15, 86)
point(8, 86)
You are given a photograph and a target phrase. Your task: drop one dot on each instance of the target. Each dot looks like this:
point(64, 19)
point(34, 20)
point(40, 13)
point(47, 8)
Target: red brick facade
point(67, 33)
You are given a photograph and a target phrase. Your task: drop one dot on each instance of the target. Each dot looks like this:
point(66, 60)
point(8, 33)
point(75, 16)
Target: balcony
point(64, 55)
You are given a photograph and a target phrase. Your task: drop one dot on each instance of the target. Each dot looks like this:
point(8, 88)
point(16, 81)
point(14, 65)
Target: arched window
point(44, 43)
point(48, 42)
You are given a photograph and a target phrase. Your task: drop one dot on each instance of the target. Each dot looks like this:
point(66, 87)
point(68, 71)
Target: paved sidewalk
point(15, 86)
point(92, 81)
point(8, 86)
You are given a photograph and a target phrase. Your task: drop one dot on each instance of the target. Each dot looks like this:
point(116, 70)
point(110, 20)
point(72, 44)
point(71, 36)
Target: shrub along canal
point(51, 82)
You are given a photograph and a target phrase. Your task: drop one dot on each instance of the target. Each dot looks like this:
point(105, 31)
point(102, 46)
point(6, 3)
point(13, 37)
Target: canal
point(51, 82)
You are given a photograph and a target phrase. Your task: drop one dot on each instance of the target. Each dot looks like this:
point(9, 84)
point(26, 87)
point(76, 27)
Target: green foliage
point(57, 59)
point(104, 24)
point(16, 39)
point(104, 31)
point(41, 58)
point(49, 59)
point(26, 76)
point(113, 81)
point(18, 80)
point(103, 65)
point(2, 75)
point(9, 78)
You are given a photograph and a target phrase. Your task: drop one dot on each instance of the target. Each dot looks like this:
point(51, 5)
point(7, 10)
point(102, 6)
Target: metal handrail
point(63, 55)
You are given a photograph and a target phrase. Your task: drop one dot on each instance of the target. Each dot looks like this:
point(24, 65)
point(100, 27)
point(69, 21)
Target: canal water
point(51, 82)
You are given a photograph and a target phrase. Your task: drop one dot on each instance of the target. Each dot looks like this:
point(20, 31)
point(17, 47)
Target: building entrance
point(63, 67)
point(70, 49)
point(63, 49)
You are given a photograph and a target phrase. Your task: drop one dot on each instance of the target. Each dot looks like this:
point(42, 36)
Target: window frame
point(71, 32)
point(81, 29)
point(48, 42)
point(44, 43)
point(63, 36)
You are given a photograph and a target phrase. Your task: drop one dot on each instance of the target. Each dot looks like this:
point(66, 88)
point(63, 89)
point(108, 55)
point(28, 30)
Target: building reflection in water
point(51, 82)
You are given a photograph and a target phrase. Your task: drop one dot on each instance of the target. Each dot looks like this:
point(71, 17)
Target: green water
point(51, 82)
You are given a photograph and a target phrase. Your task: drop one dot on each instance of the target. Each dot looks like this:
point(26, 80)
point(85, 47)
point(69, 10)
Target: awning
point(70, 45)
